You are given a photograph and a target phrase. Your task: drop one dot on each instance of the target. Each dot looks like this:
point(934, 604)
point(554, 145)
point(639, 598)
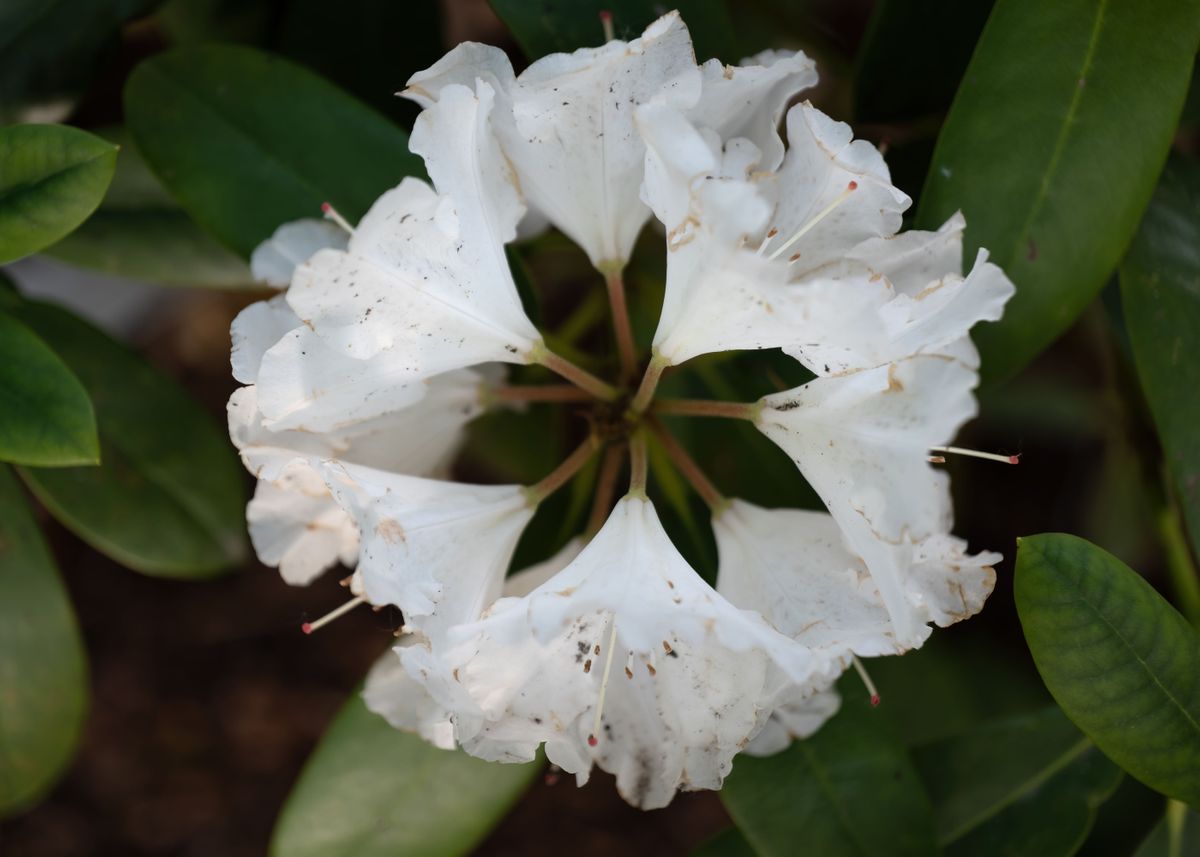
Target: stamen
point(309, 627)
point(608, 659)
point(629, 666)
point(331, 213)
point(771, 233)
point(821, 215)
point(866, 679)
point(606, 22)
point(972, 453)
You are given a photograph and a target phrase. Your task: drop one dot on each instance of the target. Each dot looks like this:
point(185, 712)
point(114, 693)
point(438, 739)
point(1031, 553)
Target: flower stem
point(606, 486)
point(581, 378)
point(687, 465)
point(614, 282)
point(562, 474)
point(541, 393)
point(1182, 572)
point(645, 392)
point(708, 408)
point(637, 464)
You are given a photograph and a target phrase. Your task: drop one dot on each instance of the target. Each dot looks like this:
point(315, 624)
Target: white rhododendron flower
point(361, 377)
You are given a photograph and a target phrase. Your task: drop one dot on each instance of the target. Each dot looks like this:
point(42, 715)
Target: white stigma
point(331, 213)
point(821, 215)
point(594, 738)
point(972, 453)
point(309, 627)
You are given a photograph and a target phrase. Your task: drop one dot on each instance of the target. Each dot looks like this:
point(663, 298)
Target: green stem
point(562, 474)
point(1184, 580)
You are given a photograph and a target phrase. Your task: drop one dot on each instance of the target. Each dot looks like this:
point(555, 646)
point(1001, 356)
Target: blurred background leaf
point(1177, 835)
point(46, 418)
point(1023, 785)
point(1054, 157)
point(373, 791)
point(553, 26)
point(728, 843)
point(168, 498)
point(43, 673)
point(141, 233)
point(49, 50)
point(817, 794)
point(1160, 295)
point(51, 178)
point(1120, 661)
point(246, 141)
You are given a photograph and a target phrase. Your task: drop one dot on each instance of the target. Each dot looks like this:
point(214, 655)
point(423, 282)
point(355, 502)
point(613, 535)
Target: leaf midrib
point(15, 192)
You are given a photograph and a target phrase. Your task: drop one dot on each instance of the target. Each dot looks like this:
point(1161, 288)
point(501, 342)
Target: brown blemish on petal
point(390, 531)
point(894, 385)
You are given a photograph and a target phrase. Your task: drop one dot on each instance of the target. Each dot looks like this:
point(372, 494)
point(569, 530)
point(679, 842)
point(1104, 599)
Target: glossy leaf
point(168, 498)
point(1052, 149)
point(1160, 292)
point(246, 140)
point(141, 233)
point(51, 178)
point(1119, 660)
point(819, 791)
point(550, 26)
point(48, 50)
point(46, 418)
point(370, 790)
point(1023, 785)
point(42, 668)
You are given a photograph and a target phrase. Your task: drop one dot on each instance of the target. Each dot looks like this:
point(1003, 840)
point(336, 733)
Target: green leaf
point(369, 789)
point(46, 418)
point(1052, 148)
point(850, 789)
point(246, 140)
point(1160, 292)
point(551, 26)
point(168, 498)
point(728, 843)
point(141, 233)
point(50, 49)
point(1121, 661)
point(1024, 785)
point(43, 672)
point(1177, 835)
point(51, 178)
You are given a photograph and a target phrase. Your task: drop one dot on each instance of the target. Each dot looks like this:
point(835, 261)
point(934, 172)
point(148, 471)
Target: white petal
point(912, 260)
point(696, 684)
point(862, 442)
point(292, 244)
point(821, 162)
point(793, 567)
point(401, 700)
point(798, 716)
point(437, 550)
point(254, 331)
point(296, 525)
point(948, 583)
point(748, 100)
point(462, 66)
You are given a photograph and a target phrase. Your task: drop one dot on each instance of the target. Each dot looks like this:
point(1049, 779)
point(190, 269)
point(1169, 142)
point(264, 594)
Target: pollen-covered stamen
point(331, 213)
point(973, 453)
point(606, 21)
point(309, 627)
point(820, 215)
point(593, 740)
point(866, 680)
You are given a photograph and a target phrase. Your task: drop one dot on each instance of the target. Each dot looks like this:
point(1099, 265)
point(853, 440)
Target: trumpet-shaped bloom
point(625, 659)
point(862, 441)
point(274, 261)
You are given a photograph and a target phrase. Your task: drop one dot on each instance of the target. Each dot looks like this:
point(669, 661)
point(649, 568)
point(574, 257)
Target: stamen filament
point(866, 679)
point(687, 465)
point(337, 613)
point(821, 215)
point(593, 739)
point(606, 21)
point(606, 487)
point(331, 213)
point(645, 392)
point(562, 474)
point(972, 453)
point(539, 393)
point(581, 378)
point(708, 408)
point(771, 233)
point(622, 327)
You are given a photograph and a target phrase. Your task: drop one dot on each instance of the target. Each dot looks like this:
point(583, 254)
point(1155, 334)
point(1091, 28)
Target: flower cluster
point(392, 335)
